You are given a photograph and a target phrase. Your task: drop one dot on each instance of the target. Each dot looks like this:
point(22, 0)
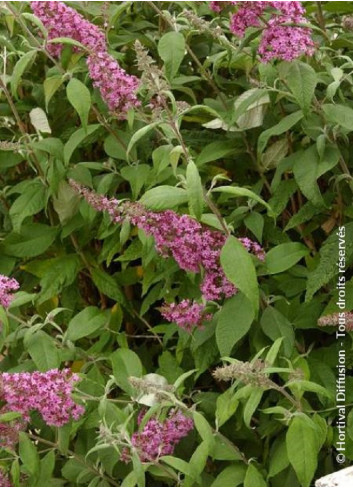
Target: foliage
point(250, 152)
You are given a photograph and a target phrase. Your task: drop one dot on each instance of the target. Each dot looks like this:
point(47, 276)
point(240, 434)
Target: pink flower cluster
point(219, 6)
point(279, 39)
point(4, 480)
point(158, 438)
point(9, 430)
point(187, 314)
point(49, 393)
point(7, 285)
point(118, 89)
point(194, 247)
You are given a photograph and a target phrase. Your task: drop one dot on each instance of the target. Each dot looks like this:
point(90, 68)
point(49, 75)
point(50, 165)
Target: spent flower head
point(249, 373)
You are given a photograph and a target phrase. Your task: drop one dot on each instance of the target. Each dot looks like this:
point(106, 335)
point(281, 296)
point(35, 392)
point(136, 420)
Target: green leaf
point(199, 459)
point(252, 404)
point(39, 120)
point(67, 40)
point(234, 321)
point(36, 21)
point(194, 189)
point(226, 406)
point(274, 154)
point(171, 48)
point(278, 457)
point(53, 146)
point(76, 139)
point(10, 416)
point(178, 464)
point(66, 202)
point(249, 109)
point(204, 429)
point(164, 197)
point(240, 270)
point(254, 478)
point(80, 98)
point(19, 69)
point(283, 126)
point(243, 192)
point(306, 385)
point(284, 256)
point(231, 476)
point(275, 325)
point(139, 135)
point(30, 202)
point(215, 151)
point(339, 114)
point(107, 285)
point(116, 148)
point(51, 85)
point(302, 80)
point(33, 240)
point(47, 465)
point(255, 222)
point(302, 448)
point(28, 454)
point(43, 351)
point(126, 364)
point(86, 322)
point(137, 176)
point(327, 267)
point(58, 273)
point(305, 171)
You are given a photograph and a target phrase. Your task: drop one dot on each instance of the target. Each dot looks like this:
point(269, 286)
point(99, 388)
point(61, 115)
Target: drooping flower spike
point(117, 88)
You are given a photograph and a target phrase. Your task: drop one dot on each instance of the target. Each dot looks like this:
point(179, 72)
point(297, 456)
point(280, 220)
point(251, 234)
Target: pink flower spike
point(7, 285)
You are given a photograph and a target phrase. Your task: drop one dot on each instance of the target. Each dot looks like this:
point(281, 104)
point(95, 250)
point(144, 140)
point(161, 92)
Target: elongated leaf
point(275, 326)
point(194, 189)
point(126, 364)
point(231, 476)
point(139, 135)
point(234, 321)
point(30, 202)
point(171, 48)
point(43, 352)
point(252, 404)
point(39, 120)
point(76, 139)
point(283, 126)
point(164, 197)
point(284, 256)
point(107, 285)
point(305, 171)
point(28, 454)
point(19, 69)
point(302, 448)
point(51, 85)
point(86, 322)
point(243, 192)
point(302, 80)
point(254, 478)
point(214, 151)
point(33, 240)
point(339, 114)
point(80, 98)
point(327, 267)
point(240, 270)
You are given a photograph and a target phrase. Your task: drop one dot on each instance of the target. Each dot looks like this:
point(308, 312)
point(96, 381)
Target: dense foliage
point(175, 186)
